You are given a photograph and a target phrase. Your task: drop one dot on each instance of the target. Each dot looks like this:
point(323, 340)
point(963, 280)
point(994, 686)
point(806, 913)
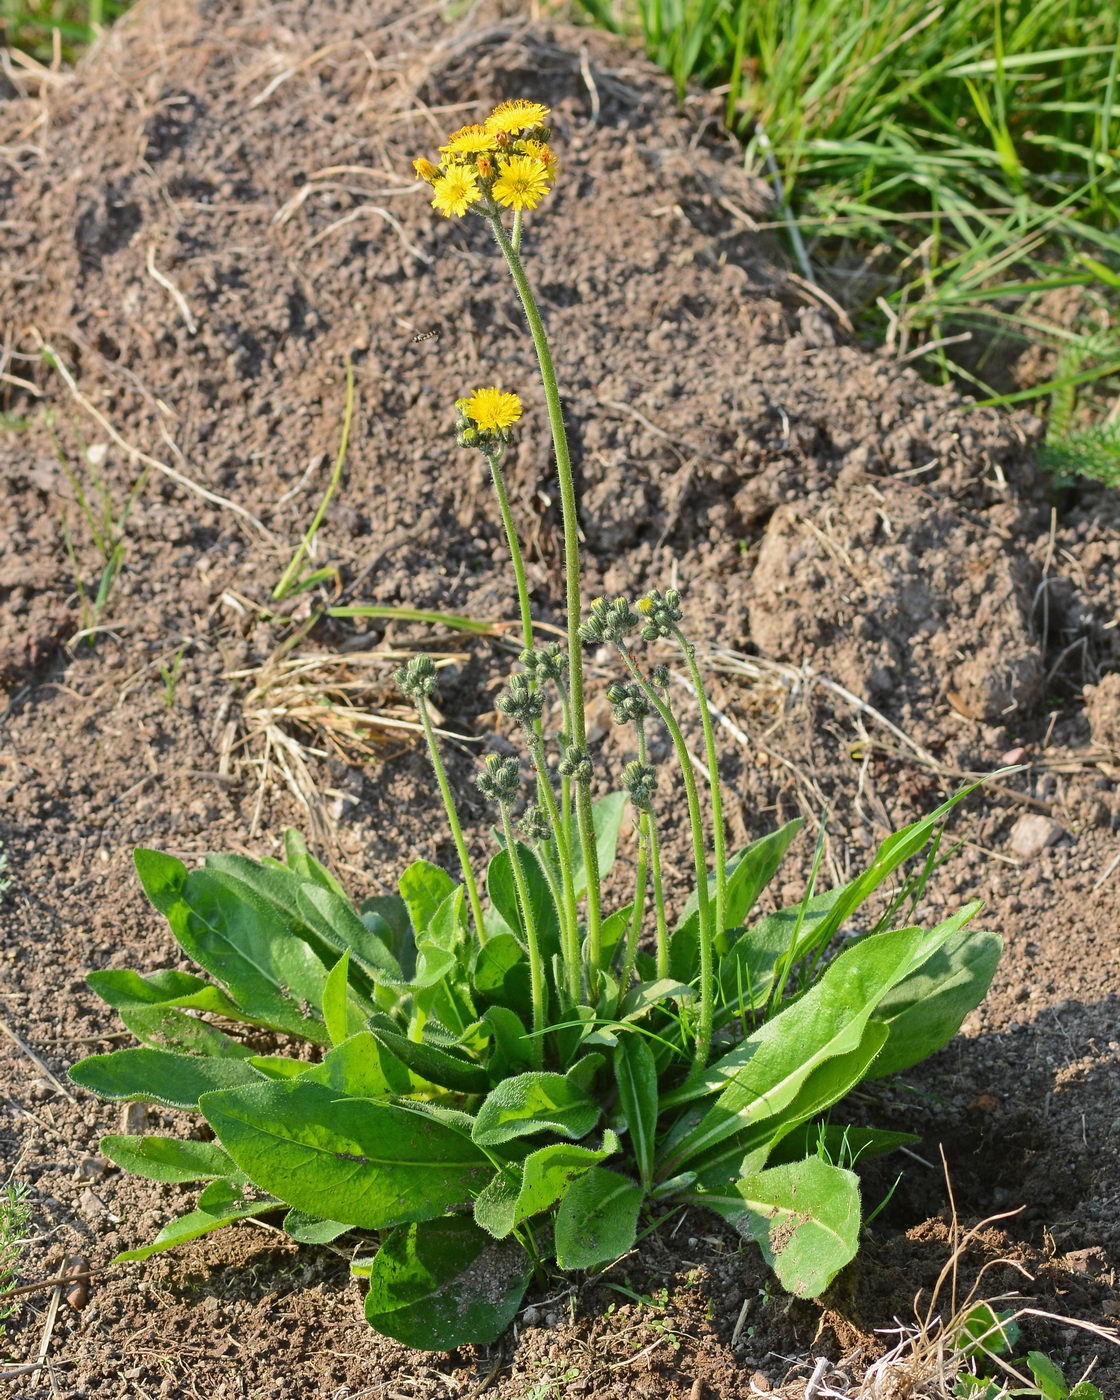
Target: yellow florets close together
point(516, 116)
point(491, 409)
point(455, 191)
point(469, 140)
point(503, 161)
point(521, 183)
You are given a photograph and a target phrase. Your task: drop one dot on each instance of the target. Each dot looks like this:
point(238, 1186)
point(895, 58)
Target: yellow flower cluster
point(490, 409)
point(501, 161)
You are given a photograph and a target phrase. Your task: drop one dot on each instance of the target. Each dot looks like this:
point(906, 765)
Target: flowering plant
point(501, 1086)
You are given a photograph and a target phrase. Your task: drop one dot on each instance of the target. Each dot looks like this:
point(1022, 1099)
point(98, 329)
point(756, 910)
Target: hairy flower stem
point(707, 963)
point(514, 545)
point(719, 852)
point(655, 868)
point(567, 906)
point(452, 820)
point(574, 602)
point(536, 966)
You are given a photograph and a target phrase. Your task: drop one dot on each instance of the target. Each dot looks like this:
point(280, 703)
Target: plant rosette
point(487, 1074)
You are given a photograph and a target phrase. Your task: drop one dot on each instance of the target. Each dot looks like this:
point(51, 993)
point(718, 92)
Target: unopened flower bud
point(534, 825)
point(628, 702)
point(576, 764)
point(521, 702)
point(610, 621)
point(640, 781)
point(418, 678)
point(499, 780)
point(547, 663)
point(660, 612)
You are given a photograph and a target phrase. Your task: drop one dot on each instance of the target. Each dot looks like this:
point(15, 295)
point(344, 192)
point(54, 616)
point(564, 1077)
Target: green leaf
point(165, 1028)
point(986, 1331)
point(223, 1207)
point(512, 1048)
point(537, 1102)
point(300, 859)
point(749, 874)
point(168, 1159)
point(1048, 1377)
point(431, 1063)
point(749, 967)
point(351, 1160)
point(334, 922)
point(805, 1216)
point(925, 1010)
point(311, 1229)
point(123, 988)
point(597, 1220)
point(750, 1138)
point(643, 995)
point(606, 818)
point(386, 916)
point(336, 1005)
point(445, 1283)
point(241, 939)
point(1085, 1390)
point(361, 1068)
point(502, 890)
point(423, 888)
point(159, 1076)
point(636, 1075)
point(525, 1190)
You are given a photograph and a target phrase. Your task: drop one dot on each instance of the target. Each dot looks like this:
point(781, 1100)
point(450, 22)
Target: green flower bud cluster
point(547, 663)
point(521, 702)
point(418, 678)
point(499, 780)
point(534, 825)
point(576, 764)
point(611, 620)
point(628, 702)
point(640, 781)
point(490, 441)
point(660, 612)
point(659, 677)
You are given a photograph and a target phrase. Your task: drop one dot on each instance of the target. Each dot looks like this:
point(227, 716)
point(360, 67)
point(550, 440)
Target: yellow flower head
point(469, 140)
point(539, 151)
point(455, 190)
point(645, 604)
point(491, 409)
point(521, 183)
point(516, 115)
point(426, 170)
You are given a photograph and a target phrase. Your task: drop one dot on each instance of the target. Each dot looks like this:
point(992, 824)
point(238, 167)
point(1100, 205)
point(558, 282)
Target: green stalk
point(639, 907)
point(574, 602)
point(514, 546)
point(707, 964)
point(655, 866)
point(452, 819)
point(536, 967)
point(570, 915)
point(719, 852)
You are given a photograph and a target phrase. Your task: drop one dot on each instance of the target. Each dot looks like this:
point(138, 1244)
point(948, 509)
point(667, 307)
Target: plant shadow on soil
point(826, 512)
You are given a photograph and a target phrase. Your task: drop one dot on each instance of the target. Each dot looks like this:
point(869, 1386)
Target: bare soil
point(202, 223)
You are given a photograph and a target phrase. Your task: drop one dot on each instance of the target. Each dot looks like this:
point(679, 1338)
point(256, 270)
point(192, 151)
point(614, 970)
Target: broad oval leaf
point(360, 1068)
point(445, 1283)
point(166, 1028)
point(121, 988)
point(597, 1220)
point(502, 889)
point(606, 819)
point(805, 1216)
point(537, 1102)
point(423, 888)
point(430, 1062)
point(144, 1075)
point(352, 1160)
point(311, 1229)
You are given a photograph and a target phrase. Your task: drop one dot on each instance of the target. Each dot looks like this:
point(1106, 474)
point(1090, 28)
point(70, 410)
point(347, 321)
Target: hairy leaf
point(636, 1076)
point(351, 1160)
point(168, 1159)
point(805, 1216)
point(597, 1220)
point(159, 1076)
point(536, 1102)
point(216, 1208)
point(445, 1283)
